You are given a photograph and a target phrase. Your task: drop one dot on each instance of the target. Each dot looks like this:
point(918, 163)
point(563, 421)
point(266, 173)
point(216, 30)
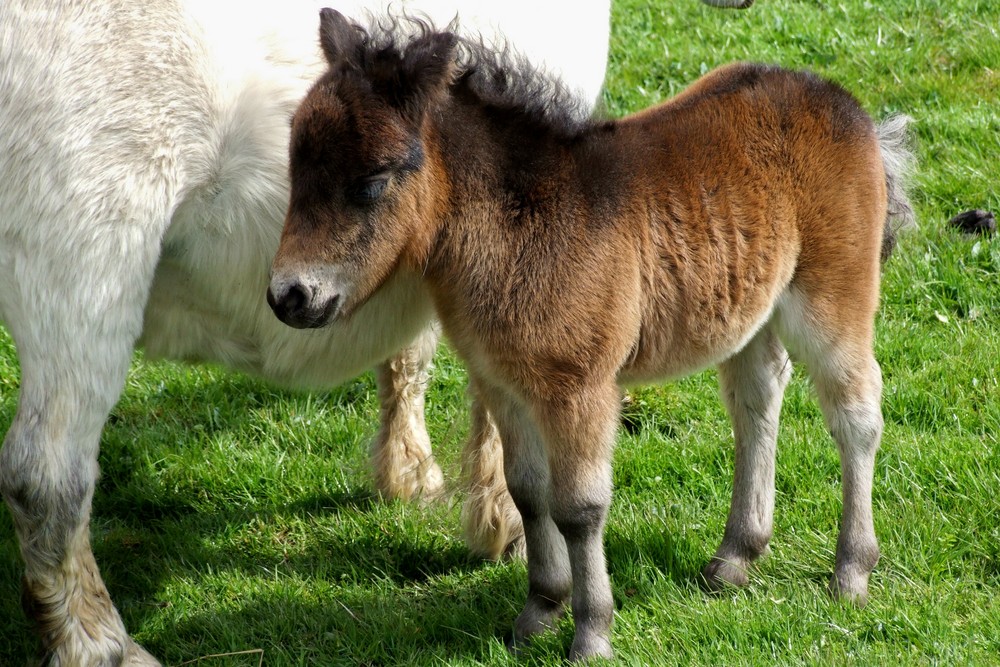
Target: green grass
point(231, 516)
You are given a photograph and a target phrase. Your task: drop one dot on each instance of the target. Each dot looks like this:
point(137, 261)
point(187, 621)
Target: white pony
point(142, 192)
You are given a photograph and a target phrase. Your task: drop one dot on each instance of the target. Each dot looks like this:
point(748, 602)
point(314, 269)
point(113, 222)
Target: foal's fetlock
point(850, 578)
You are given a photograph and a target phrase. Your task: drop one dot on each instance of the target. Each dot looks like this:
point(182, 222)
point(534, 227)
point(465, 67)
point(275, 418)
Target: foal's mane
point(496, 74)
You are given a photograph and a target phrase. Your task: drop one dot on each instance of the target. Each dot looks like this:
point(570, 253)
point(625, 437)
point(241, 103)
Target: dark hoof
point(975, 222)
point(722, 575)
point(513, 646)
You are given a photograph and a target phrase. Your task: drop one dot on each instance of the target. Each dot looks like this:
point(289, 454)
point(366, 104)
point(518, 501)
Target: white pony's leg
point(753, 384)
point(401, 457)
point(74, 319)
point(404, 465)
point(491, 523)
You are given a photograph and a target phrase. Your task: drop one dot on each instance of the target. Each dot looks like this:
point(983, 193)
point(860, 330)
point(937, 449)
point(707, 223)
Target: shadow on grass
point(382, 594)
point(381, 600)
point(138, 560)
point(360, 627)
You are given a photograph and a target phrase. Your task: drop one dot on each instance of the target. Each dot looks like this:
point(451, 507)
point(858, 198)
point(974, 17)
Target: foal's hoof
point(589, 648)
point(850, 588)
point(723, 573)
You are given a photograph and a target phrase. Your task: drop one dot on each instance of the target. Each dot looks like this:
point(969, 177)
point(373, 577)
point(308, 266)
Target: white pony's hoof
point(137, 656)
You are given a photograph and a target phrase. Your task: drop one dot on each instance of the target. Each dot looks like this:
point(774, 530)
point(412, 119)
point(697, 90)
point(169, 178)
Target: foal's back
point(753, 182)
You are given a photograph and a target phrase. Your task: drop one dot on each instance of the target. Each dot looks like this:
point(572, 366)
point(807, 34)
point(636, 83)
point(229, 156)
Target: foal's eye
point(368, 190)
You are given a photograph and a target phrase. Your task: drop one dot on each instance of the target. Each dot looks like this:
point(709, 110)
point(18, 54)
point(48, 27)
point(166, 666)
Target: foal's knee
point(579, 522)
point(852, 404)
point(857, 430)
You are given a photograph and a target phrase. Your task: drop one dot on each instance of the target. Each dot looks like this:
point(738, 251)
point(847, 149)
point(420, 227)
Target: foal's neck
point(524, 207)
point(513, 177)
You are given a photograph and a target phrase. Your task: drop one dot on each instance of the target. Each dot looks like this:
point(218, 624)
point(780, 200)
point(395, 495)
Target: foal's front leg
point(526, 467)
point(753, 384)
point(401, 457)
point(579, 432)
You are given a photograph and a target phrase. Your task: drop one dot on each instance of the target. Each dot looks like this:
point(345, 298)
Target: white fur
point(143, 161)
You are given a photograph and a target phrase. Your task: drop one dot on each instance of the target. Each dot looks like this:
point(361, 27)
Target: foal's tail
point(898, 161)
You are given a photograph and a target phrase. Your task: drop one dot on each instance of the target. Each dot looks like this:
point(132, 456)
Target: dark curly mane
point(497, 75)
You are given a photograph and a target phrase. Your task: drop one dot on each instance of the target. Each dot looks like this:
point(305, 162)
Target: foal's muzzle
point(297, 305)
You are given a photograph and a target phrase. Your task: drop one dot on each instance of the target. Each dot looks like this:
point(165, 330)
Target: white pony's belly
point(186, 321)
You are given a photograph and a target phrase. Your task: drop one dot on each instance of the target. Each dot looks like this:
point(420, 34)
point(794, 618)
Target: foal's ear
point(427, 68)
point(338, 37)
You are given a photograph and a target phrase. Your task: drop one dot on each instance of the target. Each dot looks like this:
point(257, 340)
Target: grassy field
point(231, 516)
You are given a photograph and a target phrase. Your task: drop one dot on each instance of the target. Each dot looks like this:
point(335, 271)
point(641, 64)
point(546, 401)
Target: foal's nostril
point(289, 306)
point(295, 299)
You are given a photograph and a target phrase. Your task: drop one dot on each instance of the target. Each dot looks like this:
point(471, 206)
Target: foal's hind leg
point(850, 393)
point(402, 461)
point(835, 342)
point(753, 383)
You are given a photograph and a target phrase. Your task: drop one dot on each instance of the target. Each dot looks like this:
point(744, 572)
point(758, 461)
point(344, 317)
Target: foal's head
point(359, 184)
